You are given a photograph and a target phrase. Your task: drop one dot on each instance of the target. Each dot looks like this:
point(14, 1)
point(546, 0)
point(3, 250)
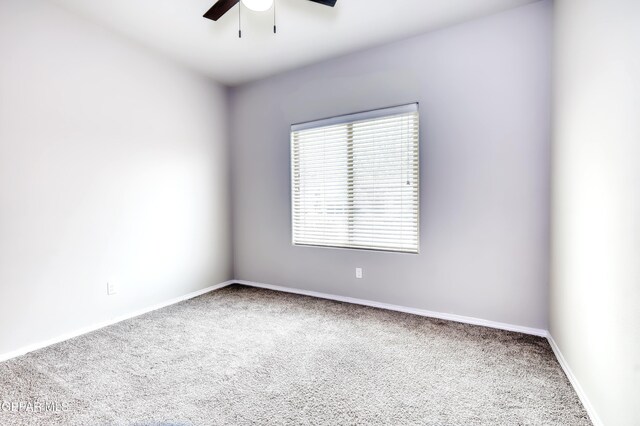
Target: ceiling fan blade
point(325, 2)
point(219, 9)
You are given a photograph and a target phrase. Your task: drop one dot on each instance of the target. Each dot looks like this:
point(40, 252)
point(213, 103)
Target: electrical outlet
point(111, 289)
point(358, 272)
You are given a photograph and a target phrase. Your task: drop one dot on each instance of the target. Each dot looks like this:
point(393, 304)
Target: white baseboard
point(414, 311)
point(97, 326)
point(593, 415)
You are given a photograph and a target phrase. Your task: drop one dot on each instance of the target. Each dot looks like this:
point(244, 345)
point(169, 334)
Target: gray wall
point(595, 286)
point(113, 167)
point(484, 93)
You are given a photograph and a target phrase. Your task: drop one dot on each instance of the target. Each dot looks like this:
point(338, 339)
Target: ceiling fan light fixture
point(258, 5)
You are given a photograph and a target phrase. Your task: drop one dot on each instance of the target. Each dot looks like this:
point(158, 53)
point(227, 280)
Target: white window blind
point(355, 181)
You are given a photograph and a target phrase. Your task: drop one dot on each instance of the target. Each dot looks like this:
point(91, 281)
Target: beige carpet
point(241, 356)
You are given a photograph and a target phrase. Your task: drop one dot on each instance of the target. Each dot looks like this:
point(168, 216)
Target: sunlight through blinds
point(355, 181)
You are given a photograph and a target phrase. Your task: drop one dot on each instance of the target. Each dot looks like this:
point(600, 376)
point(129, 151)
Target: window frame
point(350, 120)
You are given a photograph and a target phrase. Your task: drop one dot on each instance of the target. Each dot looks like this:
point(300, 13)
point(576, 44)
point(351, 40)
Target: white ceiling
point(307, 32)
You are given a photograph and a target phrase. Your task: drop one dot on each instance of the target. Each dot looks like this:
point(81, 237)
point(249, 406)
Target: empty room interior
point(320, 212)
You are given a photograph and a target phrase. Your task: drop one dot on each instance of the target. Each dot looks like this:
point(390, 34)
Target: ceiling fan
point(223, 6)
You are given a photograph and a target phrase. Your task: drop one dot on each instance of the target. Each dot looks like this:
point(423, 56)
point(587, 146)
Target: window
point(355, 181)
